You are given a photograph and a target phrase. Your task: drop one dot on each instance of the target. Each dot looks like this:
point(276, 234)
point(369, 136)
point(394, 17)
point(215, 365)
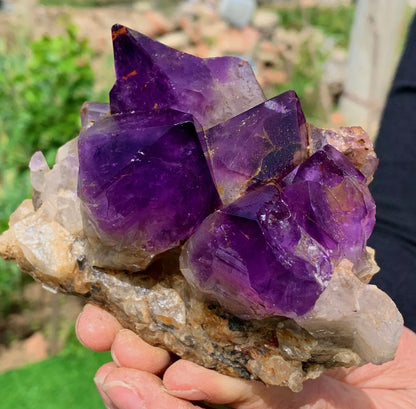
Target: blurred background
point(338, 55)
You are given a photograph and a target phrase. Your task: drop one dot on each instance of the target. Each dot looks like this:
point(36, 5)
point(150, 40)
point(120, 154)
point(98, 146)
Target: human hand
point(144, 377)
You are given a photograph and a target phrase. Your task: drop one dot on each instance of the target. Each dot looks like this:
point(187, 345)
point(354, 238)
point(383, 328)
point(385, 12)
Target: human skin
point(144, 377)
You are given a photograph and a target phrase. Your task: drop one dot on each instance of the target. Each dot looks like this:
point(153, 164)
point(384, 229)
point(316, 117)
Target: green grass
point(64, 381)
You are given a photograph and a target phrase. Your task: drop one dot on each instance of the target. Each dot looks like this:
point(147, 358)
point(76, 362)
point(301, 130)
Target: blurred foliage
point(335, 22)
point(305, 77)
point(63, 381)
point(329, 28)
point(44, 83)
point(84, 3)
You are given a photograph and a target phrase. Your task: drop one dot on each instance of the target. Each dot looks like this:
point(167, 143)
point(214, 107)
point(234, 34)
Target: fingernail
point(115, 359)
point(123, 395)
point(86, 307)
point(189, 394)
point(99, 380)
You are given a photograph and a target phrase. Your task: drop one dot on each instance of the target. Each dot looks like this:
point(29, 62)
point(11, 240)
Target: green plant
point(335, 22)
point(43, 85)
point(305, 78)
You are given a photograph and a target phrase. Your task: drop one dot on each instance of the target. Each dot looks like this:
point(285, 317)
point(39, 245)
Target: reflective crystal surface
point(144, 182)
point(258, 145)
point(152, 76)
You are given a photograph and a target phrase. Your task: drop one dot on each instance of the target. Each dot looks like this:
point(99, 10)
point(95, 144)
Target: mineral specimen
point(274, 274)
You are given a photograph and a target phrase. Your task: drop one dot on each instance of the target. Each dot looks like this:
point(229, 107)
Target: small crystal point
point(92, 112)
point(353, 142)
point(151, 76)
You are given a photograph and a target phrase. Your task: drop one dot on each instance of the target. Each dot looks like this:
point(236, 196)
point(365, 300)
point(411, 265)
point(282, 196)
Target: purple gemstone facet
point(152, 76)
point(143, 179)
point(256, 146)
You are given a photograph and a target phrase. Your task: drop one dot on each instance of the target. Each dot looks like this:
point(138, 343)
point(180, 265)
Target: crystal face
point(273, 251)
point(143, 180)
point(152, 76)
point(258, 145)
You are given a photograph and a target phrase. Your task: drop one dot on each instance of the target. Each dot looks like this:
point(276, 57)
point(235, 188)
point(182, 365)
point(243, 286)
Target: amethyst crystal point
point(353, 142)
point(143, 181)
point(330, 200)
point(256, 146)
point(151, 75)
point(255, 260)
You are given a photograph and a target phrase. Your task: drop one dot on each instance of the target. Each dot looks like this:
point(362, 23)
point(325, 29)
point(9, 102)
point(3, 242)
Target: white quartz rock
point(45, 244)
point(55, 190)
point(359, 315)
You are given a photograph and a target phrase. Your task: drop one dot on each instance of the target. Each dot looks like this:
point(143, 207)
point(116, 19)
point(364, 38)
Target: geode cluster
point(212, 222)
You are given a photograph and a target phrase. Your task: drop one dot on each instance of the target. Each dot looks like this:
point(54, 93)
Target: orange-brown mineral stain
point(130, 74)
point(119, 32)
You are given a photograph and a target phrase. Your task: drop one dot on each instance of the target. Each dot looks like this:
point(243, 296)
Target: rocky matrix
point(215, 224)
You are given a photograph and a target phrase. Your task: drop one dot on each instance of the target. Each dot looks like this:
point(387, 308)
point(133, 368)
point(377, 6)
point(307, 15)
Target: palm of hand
point(143, 377)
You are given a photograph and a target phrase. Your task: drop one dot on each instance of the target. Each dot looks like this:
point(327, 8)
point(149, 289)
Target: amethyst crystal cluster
point(189, 152)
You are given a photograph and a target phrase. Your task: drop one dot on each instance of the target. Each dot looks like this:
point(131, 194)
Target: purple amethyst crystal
point(272, 252)
point(354, 142)
point(256, 146)
point(152, 76)
point(332, 203)
point(143, 180)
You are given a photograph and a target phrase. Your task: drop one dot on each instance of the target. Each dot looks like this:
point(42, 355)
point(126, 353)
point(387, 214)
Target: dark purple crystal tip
point(151, 75)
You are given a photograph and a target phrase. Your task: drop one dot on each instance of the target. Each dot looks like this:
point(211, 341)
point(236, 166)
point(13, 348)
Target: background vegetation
point(64, 381)
point(43, 85)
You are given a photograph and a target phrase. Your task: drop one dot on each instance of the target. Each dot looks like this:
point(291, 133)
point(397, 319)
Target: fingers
point(192, 382)
point(125, 388)
point(99, 330)
point(99, 380)
point(130, 351)
point(96, 328)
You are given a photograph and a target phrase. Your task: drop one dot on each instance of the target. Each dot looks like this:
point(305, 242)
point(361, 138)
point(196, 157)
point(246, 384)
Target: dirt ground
point(38, 329)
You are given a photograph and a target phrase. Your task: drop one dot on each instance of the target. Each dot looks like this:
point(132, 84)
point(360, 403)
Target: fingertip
point(99, 380)
point(96, 328)
point(103, 372)
point(132, 389)
point(130, 351)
